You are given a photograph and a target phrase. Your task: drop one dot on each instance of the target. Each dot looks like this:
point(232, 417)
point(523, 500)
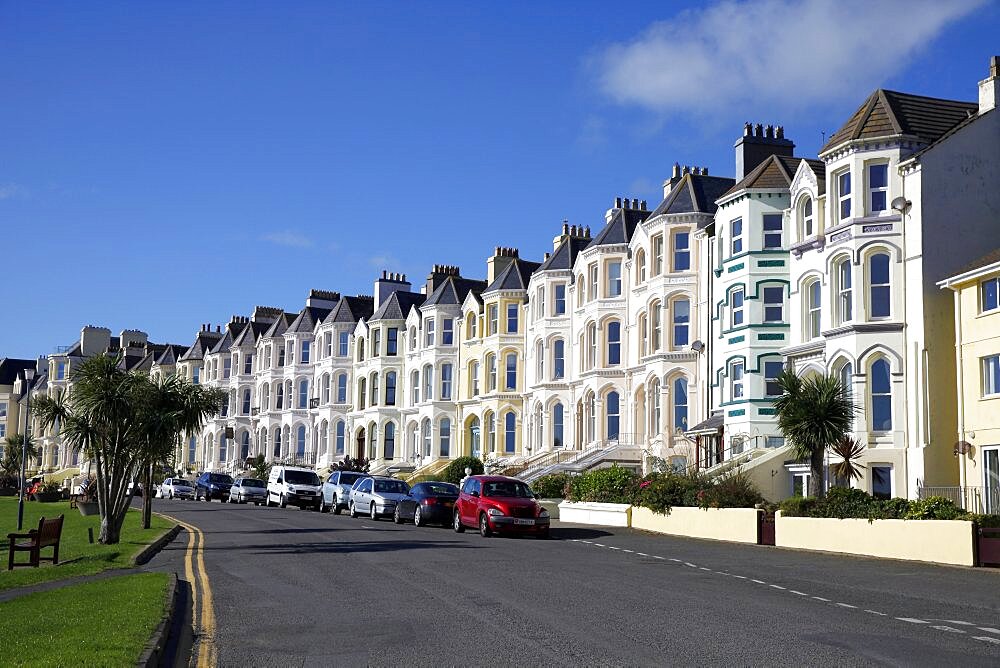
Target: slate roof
point(247, 339)
point(229, 334)
point(515, 276)
point(694, 193)
point(170, 354)
point(453, 291)
point(307, 319)
point(203, 343)
point(777, 171)
point(620, 228)
point(397, 306)
point(886, 113)
point(351, 309)
point(280, 326)
point(990, 258)
point(10, 367)
point(564, 255)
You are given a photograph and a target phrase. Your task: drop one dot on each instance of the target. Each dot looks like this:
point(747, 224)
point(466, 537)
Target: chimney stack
point(757, 144)
point(989, 90)
point(389, 282)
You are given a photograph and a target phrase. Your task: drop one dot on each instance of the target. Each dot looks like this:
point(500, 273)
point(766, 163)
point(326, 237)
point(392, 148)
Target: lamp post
point(28, 375)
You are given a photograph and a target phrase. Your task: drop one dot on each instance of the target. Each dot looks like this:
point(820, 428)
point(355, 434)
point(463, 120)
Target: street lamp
point(28, 375)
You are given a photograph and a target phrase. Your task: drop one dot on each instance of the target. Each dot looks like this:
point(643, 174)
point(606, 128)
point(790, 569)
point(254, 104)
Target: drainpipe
point(959, 376)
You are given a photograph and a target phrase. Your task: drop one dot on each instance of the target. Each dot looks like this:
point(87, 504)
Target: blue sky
point(165, 164)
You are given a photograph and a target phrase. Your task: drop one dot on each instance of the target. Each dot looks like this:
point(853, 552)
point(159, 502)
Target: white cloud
point(771, 55)
point(384, 262)
point(11, 190)
point(289, 239)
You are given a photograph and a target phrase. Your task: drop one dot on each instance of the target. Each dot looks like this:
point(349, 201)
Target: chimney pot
point(686, 170)
point(746, 129)
point(704, 171)
point(642, 205)
point(676, 171)
point(635, 203)
point(758, 130)
point(769, 131)
point(618, 202)
point(779, 132)
point(587, 232)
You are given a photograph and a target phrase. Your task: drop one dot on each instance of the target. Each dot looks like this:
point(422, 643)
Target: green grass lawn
point(103, 623)
point(82, 557)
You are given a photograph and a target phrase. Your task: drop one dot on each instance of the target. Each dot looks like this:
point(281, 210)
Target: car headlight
point(494, 512)
point(543, 513)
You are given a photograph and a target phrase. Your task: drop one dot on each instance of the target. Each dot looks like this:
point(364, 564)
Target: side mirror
point(280, 481)
point(475, 494)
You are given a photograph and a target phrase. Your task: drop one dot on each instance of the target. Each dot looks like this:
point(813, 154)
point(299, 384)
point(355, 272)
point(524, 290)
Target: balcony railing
point(974, 499)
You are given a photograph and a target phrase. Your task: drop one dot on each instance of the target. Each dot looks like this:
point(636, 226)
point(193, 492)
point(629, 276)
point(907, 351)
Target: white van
point(294, 485)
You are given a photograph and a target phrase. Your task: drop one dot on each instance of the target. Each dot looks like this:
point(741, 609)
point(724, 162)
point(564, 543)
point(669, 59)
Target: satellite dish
point(697, 346)
point(900, 204)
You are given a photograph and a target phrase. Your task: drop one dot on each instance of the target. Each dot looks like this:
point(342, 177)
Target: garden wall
point(604, 514)
point(938, 541)
point(738, 525)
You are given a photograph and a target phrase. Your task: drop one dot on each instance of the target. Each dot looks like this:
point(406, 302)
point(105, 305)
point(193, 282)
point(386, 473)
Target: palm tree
point(119, 419)
point(814, 413)
point(12, 453)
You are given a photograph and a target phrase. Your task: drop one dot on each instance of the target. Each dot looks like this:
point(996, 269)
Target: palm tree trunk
point(147, 496)
point(817, 483)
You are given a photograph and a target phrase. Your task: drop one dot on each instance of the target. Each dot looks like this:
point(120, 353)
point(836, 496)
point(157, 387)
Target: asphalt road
point(296, 588)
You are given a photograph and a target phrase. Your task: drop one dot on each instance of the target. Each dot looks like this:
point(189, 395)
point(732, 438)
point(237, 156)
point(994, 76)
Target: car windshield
point(181, 483)
point(220, 477)
point(251, 482)
point(442, 488)
point(507, 488)
point(391, 486)
point(302, 477)
point(349, 478)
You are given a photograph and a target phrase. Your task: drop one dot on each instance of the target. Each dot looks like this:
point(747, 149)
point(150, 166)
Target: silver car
point(250, 490)
point(377, 496)
point(336, 492)
point(177, 488)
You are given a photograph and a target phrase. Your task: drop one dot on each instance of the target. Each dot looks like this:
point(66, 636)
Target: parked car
point(177, 488)
point(377, 495)
point(336, 492)
point(134, 488)
point(248, 489)
point(498, 504)
point(210, 486)
point(292, 485)
point(428, 502)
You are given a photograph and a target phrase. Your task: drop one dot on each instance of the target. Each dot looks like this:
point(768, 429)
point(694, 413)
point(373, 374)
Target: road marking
point(203, 616)
point(655, 556)
point(642, 554)
point(687, 563)
point(612, 547)
point(776, 586)
point(740, 577)
point(847, 605)
point(797, 593)
point(988, 629)
point(629, 551)
point(911, 620)
point(955, 621)
point(760, 582)
point(820, 598)
point(995, 641)
point(674, 560)
point(876, 612)
point(599, 544)
point(948, 629)
point(704, 569)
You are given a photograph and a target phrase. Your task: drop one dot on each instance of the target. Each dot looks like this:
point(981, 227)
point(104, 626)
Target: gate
point(987, 546)
point(765, 528)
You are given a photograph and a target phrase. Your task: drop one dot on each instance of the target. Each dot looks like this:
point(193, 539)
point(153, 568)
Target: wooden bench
point(46, 535)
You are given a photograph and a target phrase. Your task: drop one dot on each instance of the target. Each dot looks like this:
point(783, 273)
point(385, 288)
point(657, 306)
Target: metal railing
point(974, 499)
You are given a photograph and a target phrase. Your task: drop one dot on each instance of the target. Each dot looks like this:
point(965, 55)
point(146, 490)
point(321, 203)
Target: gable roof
point(990, 258)
point(453, 291)
point(203, 343)
point(280, 326)
point(694, 193)
point(777, 171)
point(307, 319)
point(247, 339)
point(170, 354)
point(397, 306)
point(10, 367)
point(564, 256)
point(887, 113)
point(515, 276)
point(351, 309)
point(229, 334)
point(620, 228)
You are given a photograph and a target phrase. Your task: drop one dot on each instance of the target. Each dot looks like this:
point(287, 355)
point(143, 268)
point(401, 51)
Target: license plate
point(521, 522)
point(448, 504)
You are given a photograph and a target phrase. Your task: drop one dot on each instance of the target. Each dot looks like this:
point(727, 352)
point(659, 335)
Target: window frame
point(678, 252)
point(990, 373)
point(737, 311)
point(842, 179)
point(873, 286)
point(984, 292)
point(879, 190)
point(735, 236)
point(770, 306)
point(737, 374)
point(770, 234)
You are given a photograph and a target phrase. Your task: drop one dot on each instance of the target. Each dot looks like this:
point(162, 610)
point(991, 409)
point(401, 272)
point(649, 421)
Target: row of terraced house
point(653, 336)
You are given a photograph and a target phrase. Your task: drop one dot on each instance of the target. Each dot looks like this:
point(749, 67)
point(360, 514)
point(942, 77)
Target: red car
point(498, 504)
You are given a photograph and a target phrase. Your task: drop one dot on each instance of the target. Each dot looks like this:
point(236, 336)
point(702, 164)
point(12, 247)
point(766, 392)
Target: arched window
point(612, 409)
point(245, 446)
point(846, 375)
point(474, 379)
point(361, 349)
point(374, 389)
point(591, 417)
point(640, 267)
point(446, 381)
point(389, 440)
point(813, 309)
point(539, 360)
point(491, 432)
point(361, 394)
point(279, 398)
point(808, 228)
point(246, 402)
point(655, 421)
point(303, 393)
point(491, 369)
point(425, 430)
point(390, 388)
point(342, 388)
point(643, 335)
point(473, 324)
point(511, 376)
point(655, 317)
point(326, 388)
point(223, 441)
point(880, 297)
point(415, 387)
point(276, 440)
point(265, 398)
point(324, 436)
point(581, 289)
point(557, 425)
point(372, 440)
point(428, 383)
point(680, 404)
point(339, 432)
point(881, 396)
point(591, 345)
point(444, 437)
point(845, 305)
point(509, 433)
point(681, 322)
point(475, 446)
point(558, 359)
point(614, 334)
point(300, 441)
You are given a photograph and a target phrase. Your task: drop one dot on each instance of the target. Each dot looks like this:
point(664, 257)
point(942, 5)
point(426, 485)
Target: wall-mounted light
point(901, 204)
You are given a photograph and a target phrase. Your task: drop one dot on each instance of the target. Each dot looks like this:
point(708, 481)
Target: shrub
point(611, 485)
point(734, 490)
point(798, 506)
point(662, 491)
point(983, 521)
point(895, 508)
point(845, 502)
point(551, 486)
point(933, 508)
point(456, 470)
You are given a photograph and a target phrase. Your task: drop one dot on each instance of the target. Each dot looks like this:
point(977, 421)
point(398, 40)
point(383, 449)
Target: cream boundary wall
point(936, 541)
point(603, 514)
point(736, 525)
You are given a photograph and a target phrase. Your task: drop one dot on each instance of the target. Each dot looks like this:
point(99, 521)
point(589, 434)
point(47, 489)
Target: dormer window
point(878, 188)
point(736, 232)
point(844, 194)
point(808, 227)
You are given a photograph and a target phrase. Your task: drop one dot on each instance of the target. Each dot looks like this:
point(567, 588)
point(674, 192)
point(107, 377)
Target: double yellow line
point(203, 616)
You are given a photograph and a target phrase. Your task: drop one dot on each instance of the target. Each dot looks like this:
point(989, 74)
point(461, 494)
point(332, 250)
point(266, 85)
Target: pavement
point(294, 588)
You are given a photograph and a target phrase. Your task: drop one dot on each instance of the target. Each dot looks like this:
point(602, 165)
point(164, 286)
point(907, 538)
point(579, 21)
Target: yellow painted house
point(977, 352)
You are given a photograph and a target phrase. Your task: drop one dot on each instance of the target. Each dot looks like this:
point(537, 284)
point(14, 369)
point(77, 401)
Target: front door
point(991, 479)
point(361, 444)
